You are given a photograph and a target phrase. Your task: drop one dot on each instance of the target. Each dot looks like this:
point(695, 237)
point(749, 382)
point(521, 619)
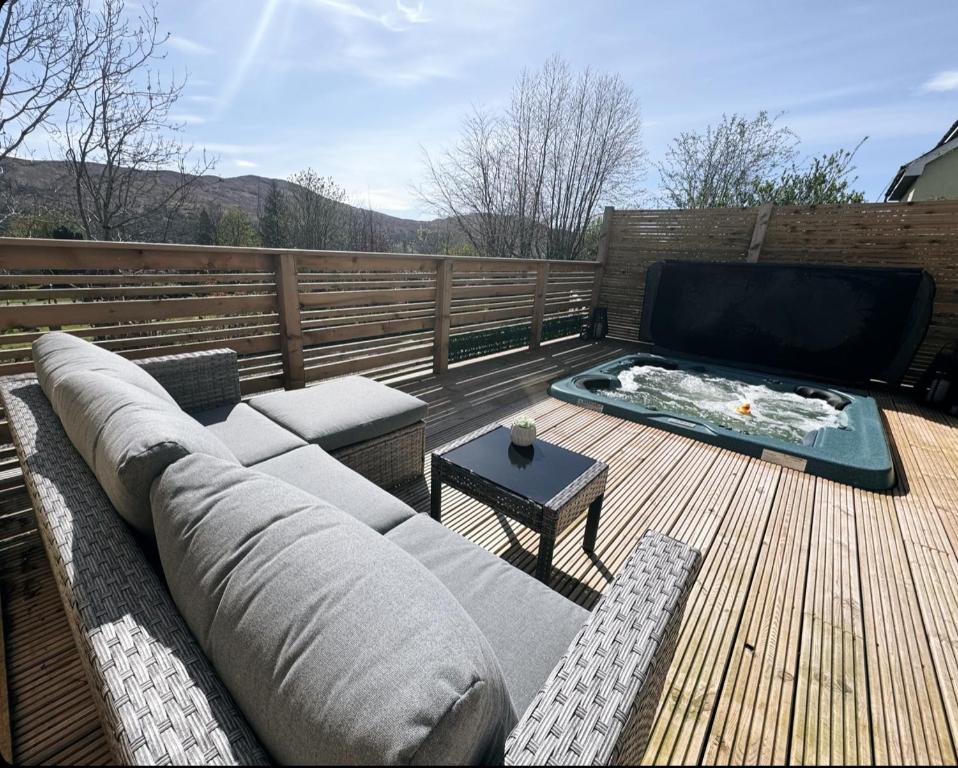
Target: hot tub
point(728, 337)
point(834, 433)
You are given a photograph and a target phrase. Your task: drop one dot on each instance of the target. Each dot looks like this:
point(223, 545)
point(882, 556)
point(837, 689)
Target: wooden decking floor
point(823, 627)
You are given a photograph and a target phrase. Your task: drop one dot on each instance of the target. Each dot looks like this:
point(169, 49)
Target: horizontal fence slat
point(354, 298)
point(44, 315)
point(366, 330)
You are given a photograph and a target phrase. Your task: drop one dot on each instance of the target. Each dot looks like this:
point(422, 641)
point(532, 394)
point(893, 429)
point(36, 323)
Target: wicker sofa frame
point(391, 460)
point(161, 702)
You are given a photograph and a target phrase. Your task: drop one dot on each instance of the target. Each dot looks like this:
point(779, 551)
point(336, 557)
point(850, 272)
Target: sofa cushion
point(128, 436)
point(248, 433)
point(313, 470)
point(528, 625)
point(337, 646)
point(57, 354)
point(342, 412)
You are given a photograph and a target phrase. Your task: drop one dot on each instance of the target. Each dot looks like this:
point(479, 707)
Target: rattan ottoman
point(545, 487)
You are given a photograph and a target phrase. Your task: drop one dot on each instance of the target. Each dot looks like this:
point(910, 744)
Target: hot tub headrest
point(848, 324)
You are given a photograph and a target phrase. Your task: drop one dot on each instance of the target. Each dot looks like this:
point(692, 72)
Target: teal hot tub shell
point(856, 453)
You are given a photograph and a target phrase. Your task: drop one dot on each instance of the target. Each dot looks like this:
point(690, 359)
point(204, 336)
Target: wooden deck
point(823, 627)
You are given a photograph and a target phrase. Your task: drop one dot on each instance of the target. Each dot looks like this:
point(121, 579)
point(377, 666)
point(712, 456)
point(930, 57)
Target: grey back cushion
point(57, 354)
point(128, 436)
point(337, 646)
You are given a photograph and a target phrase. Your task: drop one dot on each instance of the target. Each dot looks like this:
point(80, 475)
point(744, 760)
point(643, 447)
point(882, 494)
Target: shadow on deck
point(822, 627)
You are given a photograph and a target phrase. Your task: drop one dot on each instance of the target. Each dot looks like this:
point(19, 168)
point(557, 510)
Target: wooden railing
point(921, 234)
point(292, 316)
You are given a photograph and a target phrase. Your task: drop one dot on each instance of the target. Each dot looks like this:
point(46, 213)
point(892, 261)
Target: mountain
point(45, 184)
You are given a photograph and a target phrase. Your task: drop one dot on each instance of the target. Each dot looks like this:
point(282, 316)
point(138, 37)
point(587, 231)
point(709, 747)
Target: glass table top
point(538, 472)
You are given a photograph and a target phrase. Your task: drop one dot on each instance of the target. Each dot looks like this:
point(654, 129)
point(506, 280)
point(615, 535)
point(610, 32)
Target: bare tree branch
point(47, 47)
point(314, 211)
point(119, 126)
point(527, 183)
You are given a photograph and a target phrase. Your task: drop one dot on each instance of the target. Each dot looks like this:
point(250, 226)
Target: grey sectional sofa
point(240, 595)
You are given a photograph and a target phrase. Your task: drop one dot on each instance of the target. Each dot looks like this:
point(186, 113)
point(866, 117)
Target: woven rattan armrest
point(198, 381)
point(597, 705)
point(159, 700)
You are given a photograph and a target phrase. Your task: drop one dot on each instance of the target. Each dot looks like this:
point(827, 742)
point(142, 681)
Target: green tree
point(205, 229)
point(722, 166)
point(824, 180)
point(235, 229)
point(51, 224)
point(271, 223)
point(749, 161)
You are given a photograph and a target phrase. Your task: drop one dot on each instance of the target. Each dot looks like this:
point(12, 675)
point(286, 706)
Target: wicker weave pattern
point(390, 460)
point(596, 707)
point(198, 381)
point(159, 700)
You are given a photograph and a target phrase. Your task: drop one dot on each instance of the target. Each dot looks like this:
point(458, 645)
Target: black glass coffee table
point(544, 487)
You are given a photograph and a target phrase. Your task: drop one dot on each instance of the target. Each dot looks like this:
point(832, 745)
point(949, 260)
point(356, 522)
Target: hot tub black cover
point(848, 324)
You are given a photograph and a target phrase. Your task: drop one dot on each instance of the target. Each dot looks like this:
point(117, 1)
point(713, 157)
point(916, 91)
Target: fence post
point(539, 305)
point(758, 232)
point(290, 322)
point(602, 257)
point(440, 345)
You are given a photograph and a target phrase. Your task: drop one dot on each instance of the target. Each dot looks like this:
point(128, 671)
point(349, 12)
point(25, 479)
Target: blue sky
point(354, 88)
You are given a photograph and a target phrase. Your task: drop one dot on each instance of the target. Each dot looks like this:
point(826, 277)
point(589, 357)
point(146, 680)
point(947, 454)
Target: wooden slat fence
point(141, 302)
point(293, 316)
point(923, 234)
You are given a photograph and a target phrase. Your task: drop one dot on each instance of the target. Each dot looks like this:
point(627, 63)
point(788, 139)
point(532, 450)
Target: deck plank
point(752, 718)
point(931, 559)
point(823, 627)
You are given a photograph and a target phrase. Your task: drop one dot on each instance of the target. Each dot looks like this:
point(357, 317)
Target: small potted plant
point(523, 431)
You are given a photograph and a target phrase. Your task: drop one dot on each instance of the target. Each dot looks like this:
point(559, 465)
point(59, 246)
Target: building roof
point(909, 172)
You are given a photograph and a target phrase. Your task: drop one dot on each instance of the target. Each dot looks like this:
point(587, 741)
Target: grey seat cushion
point(313, 470)
point(128, 436)
point(528, 625)
point(342, 412)
point(337, 646)
point(58, 354)
point(248, 434)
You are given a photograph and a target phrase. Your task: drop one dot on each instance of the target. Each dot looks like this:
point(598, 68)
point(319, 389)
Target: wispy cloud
point(946, 80)
point(413, 15)
point(377, 64)
point(185, 45)
point(188, 119)
point(245, 164)
point(401, 43)
point(238, 149)
point(395, 19)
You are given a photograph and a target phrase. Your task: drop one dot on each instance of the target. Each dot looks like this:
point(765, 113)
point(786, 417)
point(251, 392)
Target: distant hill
point(46, 183)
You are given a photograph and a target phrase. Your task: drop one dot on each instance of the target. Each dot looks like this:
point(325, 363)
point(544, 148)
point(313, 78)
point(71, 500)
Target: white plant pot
point(523, 436)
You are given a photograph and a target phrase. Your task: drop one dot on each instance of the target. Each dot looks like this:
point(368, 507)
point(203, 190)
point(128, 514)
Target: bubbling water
point(774, 413)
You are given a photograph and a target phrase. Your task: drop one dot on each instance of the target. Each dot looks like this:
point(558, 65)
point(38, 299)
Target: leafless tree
point(723, 166)
point(47, 46)
point(364, 230)
point(45, 50)
point(120, 126)
point(315, 211)
point(527, 182)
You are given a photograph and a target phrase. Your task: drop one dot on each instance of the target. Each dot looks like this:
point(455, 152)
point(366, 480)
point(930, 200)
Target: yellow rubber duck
point(745, 409)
